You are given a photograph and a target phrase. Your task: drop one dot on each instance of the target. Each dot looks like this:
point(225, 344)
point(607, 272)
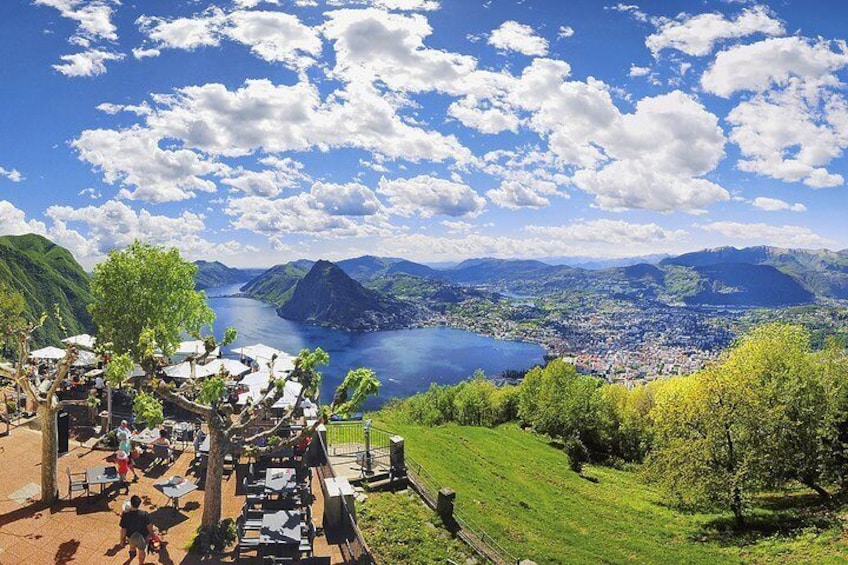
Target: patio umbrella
point(183, 371)
point(290, 392)
point(231, 366)
point(49, 352)
point(262, 354)
point(194, 347)
point(83, 341)
point(85, 359)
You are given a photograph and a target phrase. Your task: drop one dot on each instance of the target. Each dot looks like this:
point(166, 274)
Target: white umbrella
point(262, 354)
point(231, 366)
point(85, 359)
point(94, 373)
point(290, 393)
point(83, 341)
point(137, 371)
point(194, 347)
point(49, 352)
point(259, 378)
point(183, 371)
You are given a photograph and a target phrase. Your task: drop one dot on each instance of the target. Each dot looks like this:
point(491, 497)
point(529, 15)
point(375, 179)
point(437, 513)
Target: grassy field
point(520, 490)
point(401, 529)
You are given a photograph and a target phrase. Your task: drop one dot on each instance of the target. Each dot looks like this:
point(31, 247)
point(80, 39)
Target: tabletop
point(280, 480)
point(175, 491)
point(204, 445)
point(101, 475)
point(146, 436)
point(281, 526)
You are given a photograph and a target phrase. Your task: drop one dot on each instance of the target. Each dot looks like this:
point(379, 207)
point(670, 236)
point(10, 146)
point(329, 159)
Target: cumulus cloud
point(13, 175)
point(565, 32)
point(513, 194)
point(776, 205)
point(774, 61)
point(281, 174)
point(276, 37)
point(94, 29)
point(427, 196)
point(697, 35)
point(613, 232)
point(766, 234)
point(13, 221)
point(351, 199)
point(513, 36)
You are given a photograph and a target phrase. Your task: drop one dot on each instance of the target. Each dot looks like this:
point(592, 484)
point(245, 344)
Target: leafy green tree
point(12, 308)
point(144, 298)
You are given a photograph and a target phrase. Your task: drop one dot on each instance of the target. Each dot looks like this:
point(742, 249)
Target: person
point(99, 385)
point(124, 428)
point(123, 461)
point(135, 529)
point(125, 446)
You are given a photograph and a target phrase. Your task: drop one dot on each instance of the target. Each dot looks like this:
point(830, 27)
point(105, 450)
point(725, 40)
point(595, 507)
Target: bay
point(406, 361)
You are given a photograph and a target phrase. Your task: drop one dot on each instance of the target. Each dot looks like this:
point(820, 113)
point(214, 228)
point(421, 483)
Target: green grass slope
point(47, 274)
point(520, 490)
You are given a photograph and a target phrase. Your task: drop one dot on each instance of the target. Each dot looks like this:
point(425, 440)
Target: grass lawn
point(401, 529)
point(520, 490)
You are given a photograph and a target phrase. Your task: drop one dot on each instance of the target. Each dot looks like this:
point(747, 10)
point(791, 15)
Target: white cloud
point(613, 232)
point(513, 36)
point(427, 196)
point(13, 175)
point(766, 234)
point(142, 53)
point(94, 28)
point(697, 35)
point(637, 71)
point(514, 195)
point(351, 199)
point(116, 225)
point(774, 61)
point(134, 159)
point(633, 10)
point(408, 5)
point(284, 173)
point(776, 205)
point(565, 32)
point(13, 221)
point(86, 63)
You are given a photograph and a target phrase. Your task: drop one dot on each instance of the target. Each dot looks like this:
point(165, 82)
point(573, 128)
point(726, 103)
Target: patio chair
point(250, 517)
point(247, 543)
point(76, 482)
point(163, 452)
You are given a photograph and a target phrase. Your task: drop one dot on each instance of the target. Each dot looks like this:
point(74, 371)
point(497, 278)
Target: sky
point(257, 132)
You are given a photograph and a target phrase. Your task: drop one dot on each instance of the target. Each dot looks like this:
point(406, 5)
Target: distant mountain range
point(212, 274)
point(728, 277)
point(47, 275)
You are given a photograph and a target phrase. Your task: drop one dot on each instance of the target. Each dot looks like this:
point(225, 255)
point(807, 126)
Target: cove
point(406, 361)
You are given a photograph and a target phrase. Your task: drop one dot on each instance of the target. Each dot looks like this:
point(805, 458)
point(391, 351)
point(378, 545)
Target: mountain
point(822, 272)
point(277, 283)
point(211, 274)
point(741, 284)
point(493, 271)
point(47, 275)
point(369, 267)
point(327, 296)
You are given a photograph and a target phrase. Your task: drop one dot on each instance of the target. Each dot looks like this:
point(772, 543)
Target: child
point(125, 445)
point(123, 461)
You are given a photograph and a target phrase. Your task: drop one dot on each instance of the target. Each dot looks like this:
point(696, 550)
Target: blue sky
point(256, 132)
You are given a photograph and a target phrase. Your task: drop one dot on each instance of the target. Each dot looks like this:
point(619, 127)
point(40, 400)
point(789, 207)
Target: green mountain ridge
point(47, 275)
point(211, 274)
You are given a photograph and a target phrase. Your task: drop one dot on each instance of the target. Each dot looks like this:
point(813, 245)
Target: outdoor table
point(175, 491)
point(101, 476)
point(183, 432)
point(146, 437)
point(280, 481)
point(281, 527)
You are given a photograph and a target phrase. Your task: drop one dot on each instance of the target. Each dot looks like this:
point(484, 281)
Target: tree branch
point(165, 392)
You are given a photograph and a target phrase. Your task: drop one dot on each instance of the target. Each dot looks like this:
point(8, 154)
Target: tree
point(144, 298)
point(44, 394)
point(12, 308)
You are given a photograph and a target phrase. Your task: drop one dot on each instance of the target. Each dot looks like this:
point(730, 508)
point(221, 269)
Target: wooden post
point(396, 457)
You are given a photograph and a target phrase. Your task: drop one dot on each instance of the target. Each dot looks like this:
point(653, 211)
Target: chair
point(75, 483)
point(163, 452)
point(245, 543)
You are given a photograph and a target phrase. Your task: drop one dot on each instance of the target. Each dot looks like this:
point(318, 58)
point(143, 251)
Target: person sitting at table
point(100, 385)
point(124, 428)
point(136, 528)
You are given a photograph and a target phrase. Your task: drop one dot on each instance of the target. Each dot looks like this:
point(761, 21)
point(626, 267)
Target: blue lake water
point(406, 361)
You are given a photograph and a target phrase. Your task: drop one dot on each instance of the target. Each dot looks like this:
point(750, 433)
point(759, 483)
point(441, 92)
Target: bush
point(216, 538)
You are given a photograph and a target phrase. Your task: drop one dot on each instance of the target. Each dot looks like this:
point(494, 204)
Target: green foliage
point(144, 297)
point(147, 410)
point(12, 308)
point(215, 538)
point(357, 386)
point(212, 391)
point(48, 278)
point(306, 369)
point(118, 369)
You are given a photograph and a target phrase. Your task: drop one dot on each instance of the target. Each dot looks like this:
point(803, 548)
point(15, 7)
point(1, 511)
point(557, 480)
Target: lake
point(406, 361)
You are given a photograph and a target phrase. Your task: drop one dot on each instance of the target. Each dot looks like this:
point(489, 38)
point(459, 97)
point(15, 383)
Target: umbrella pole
point(108, 409)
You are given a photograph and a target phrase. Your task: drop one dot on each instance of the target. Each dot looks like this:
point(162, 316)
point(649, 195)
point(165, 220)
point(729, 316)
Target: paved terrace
point(82, 532)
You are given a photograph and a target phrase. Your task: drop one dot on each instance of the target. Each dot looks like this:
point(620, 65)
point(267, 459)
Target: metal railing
point(483, 543)
point(354, 550)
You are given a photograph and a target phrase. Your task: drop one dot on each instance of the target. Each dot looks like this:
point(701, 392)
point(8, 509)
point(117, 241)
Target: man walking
point(135, 528)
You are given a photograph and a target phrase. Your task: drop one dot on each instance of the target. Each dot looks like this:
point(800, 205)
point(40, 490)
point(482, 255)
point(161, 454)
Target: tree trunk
point(736, 507)
point(818, 488)
point(49, 454)
point(218, 446)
